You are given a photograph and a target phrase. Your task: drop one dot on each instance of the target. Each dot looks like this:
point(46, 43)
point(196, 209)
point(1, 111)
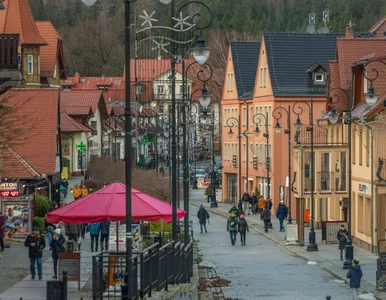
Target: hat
point(242, 216)
point(356, 261)
point(35, 229)
point(57, 231)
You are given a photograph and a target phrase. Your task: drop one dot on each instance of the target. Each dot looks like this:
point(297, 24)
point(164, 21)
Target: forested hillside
point(97, 32)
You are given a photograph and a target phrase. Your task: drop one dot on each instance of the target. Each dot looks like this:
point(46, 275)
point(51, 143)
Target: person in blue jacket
point(94, 229)
point(355, 275)
point(281, 214)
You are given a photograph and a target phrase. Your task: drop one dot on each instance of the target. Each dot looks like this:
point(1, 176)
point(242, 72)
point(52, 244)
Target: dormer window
point(139, 88)
point(318, 73)
point(319, 78)
point(103, 88)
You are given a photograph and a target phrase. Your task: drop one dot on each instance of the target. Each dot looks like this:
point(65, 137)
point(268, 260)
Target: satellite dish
point(310, 28)
point(324, 29)
point(89, 2)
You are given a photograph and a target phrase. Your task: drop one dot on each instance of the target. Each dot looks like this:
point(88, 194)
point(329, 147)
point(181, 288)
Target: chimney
point(77, 77)
point(349, 31)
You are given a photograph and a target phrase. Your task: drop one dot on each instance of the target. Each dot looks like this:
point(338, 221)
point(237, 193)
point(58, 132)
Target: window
point(340, 171)
point(360, 214)
point(265, 115)
point(360, 147)
point(94, 125)
point(225, 151)
point(181, 90)
point(308, 172)
point(319, 78)
point(261, 77)
point(269, 115)
point(103, 88)
point(139, 89)
point(244, 116)
point(367, 148)
point(30, 64)
point(39, 64)
point(251, 116)
point(325, 172)
point(354, 144)
point(161, 90)
point(251, 152)
point(54, 73)
point(231, 82)
point(367, 218)
point(265, 77)
point(244, 151)
point(257, 152)
point(161, 109)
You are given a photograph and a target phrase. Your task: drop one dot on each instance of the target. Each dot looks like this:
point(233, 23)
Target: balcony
point(8, 51)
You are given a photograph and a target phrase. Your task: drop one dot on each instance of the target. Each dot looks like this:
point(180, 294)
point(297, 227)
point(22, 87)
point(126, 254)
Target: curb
point(329, 267)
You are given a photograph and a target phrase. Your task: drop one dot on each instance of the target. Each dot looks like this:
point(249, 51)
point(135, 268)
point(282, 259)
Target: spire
point(17, 18)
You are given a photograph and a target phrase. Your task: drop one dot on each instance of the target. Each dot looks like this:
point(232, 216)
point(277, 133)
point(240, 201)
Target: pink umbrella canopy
point(109, 204)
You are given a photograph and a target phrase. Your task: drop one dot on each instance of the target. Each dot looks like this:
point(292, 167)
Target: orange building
point(284, 69)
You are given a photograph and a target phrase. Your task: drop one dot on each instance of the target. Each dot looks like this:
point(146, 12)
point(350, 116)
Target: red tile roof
point(77, 110)
point(81, 99)
point(350, 51)
point(35, 117)
point(49, 54)
point(379, 28)
point(14, 166)
point(69, 124)
point(17, 18)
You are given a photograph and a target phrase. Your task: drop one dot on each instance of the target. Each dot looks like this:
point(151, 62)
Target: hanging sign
point(9, 189)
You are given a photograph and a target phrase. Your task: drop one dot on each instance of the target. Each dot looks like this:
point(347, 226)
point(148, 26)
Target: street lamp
point(334, 99)
point(277, 115)
point(261, 119)
point(298, 110)
point(232, 122)
point(201, 52)
point(371, 96)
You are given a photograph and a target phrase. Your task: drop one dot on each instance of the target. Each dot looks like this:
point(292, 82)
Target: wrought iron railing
point(155, 267)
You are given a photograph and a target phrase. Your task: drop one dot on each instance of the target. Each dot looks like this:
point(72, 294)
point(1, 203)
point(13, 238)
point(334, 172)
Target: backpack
point(232, 223)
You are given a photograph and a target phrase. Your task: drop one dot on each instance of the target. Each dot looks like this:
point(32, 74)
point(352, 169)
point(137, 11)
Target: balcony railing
point(8, 51)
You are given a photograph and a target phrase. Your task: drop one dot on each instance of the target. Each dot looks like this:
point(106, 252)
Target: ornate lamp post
point(371, 96)
point(334, 98)
point(277, 115)
point(298, 110)
point(232, 122)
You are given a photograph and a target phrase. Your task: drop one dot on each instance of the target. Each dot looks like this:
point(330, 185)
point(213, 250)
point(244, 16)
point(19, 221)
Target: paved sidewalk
point(327, 257)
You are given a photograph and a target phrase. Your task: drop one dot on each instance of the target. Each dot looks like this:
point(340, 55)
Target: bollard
point(328, 297)
point(64, 286)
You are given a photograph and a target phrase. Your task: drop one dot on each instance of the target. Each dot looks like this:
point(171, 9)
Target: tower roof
point(16, 18)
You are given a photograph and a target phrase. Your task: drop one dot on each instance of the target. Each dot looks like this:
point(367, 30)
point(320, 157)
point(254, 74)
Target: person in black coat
point(266, 218)
point(243, 228)
point(355, 274)
point(342, 238)
point(240, 207)
point(57, 245)
point(36, 243)
point(105, 232)
point(281, 214)
point(202, 216)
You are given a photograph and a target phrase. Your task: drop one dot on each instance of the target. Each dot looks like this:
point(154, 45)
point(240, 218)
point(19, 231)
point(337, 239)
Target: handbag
point(80, 240)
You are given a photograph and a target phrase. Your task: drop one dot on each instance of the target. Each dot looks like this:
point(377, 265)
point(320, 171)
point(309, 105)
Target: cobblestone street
point(262, 269)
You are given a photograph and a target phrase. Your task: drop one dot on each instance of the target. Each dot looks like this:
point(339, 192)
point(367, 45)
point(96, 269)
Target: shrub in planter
point(42, 204)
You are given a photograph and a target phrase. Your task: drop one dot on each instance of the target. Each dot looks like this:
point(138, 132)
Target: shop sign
point(364, 188)
point(9, 189)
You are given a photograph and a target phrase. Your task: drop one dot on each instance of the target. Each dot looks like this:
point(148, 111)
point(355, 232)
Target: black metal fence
point(153, 269)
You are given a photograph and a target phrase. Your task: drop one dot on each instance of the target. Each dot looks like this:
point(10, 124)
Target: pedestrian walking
point(64, 184)
point(266, 218)
point(235, 210)
point(254, 203)
point(232, 227)
point(342, 236)
point(261, 204)
point(246, 203)
point(240, 207)
point(72, 231)
point(51, 227)
point(202, 216)
point(57, 246)
point(355, 275)
point(2, 231)
point(105, 232)
point(209, 193)
point(243, 228)
point(35, 243)
point(94, 229)
point(281, 214)
point(84, 191)
point(77, 192)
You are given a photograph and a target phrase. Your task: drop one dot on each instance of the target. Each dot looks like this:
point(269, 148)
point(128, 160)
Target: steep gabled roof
point(15, 166)
point(245, 57)
point(36, 119)
point(17, 18)
point(69, 124)
point(81, 99)
point(290, 55)
point(51, 53)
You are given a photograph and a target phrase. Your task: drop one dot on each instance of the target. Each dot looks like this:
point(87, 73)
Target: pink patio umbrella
point(109, 204)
